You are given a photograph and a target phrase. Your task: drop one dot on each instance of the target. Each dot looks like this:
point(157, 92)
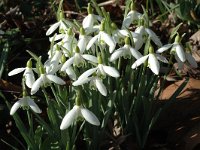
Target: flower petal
point(16, 71)
point(108, 40)
point(70, 72)
point(90, 58)
point(92, 41)
point(101, 87)
point(55, 79)
point(118, 53)
point(139, 61)
point(67, 64)
point(154, 37)
point(111, 71)
point(80, 81)
point(15, 107)
point(180, 52)
point(135, 53)
point(53, 28)
point(164, 48)
point(82, 43)
point(153, 64)
point(69, 118)
point(36, 85)
point(34, 106)
point(161, 58)
point(88, 21)
point(87, 73)
point(90, 117)
point(29, 76)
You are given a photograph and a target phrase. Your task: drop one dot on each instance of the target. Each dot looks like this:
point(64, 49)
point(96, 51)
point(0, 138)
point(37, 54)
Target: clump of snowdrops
point(96, 70)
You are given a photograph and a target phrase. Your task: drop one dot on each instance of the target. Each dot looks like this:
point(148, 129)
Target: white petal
point(191, 60)
point(67, 64)
point(154, 37)
point(111, 71)
point(82, 43)
point(180, 52)
point(180, 63)
point(127, 21)
point(69, 118)
point(57, 37)
point(87, 73)
point(53, 28)
point(101, 87)
point(36, 85)
point(80, 81)
point(15, 107)
point(88, 21)
point(108, 40)
point(135, 53)
point(90, 58)
point(55, 79)
point(90, 117)
point(161, 58)
point(118, 53)
point(164, 48)
point(16, 71)
point(139, 61)
point(70, 72)
point(29, 76)
point(92, 41)
point(34, 106)
point(153, 64)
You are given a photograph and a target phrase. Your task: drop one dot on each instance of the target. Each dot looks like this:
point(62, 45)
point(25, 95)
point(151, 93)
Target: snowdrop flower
point(126, 51)
point(78, 59)
point(83, 40)
point(28, 73)
point(88, 21)
point(102, 37)
point(177, 49)
point(45, 79)
point(132, 16)
point(143, 33)
point(153, 63)
point(25, 102)
point(78, 111)
point(95, 83)
point(101, 70)
point(60, 24)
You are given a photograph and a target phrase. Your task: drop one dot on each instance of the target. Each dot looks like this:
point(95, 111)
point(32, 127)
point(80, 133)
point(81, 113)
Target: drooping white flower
point(95, 83)
point(90, 19)
point(153, 63)
point(78, 111)
point(45, 79)
point(102, 36)
point(176, 48)
point(132, 16)
point(28, 73)
point(143, 33)
point(83, 40)
point(60, 24)
point(25, 101)
point(126, 51)
point(78, 59)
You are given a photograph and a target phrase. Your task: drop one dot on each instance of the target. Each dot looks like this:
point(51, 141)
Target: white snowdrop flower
point(176, 49)
point(126, 51)
point(95, 83)
point(102, 36)
point(101, 70)
point(28, 73)
point(78, 111)
point(90, 19)
point(153, 63)
point(132, 16)
point(83, 40)
point(25, 102)
point(143, 33)
point(44, 80)
point(78, 59)
point(60, 24)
